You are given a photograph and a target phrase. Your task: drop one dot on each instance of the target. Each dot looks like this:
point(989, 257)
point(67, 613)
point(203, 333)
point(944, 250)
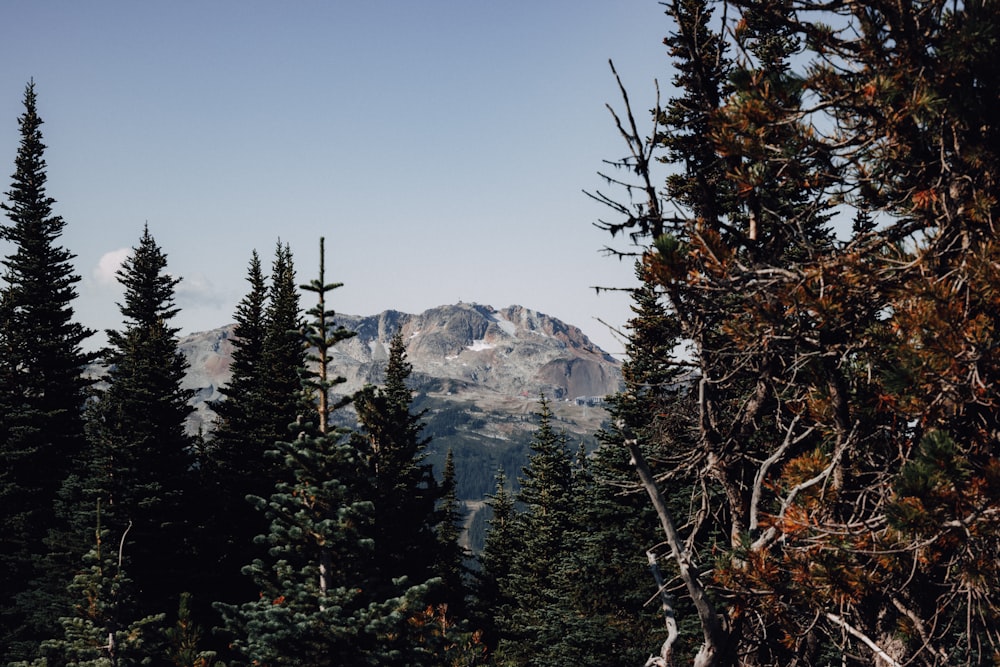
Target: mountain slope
point(477, 374)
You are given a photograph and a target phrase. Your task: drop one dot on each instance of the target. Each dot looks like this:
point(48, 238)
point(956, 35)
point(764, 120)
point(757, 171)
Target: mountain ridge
point(478, 373)
point(513, 351)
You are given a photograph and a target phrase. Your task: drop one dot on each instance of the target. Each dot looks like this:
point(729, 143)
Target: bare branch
point(865, 639)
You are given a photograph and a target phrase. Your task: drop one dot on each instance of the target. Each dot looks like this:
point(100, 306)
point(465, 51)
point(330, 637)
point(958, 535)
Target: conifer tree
point(104, 627)
point(606, 579)
point(283, 352)
point(141, 455)
point(238, 417)
point(42, 393)
point(828, 375)
point(530, 631)
point(234, 464)
point(493, 598)
point(405, 492)
point(319, 602)
point(451, 565)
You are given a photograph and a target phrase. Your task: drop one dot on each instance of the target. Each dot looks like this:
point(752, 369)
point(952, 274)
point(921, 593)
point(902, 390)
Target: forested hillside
point(801, 468)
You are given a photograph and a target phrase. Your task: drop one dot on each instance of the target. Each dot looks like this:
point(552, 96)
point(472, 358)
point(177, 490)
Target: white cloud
point(197, 291)
point(108, 265)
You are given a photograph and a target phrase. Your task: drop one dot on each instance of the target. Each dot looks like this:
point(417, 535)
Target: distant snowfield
point(478, 345)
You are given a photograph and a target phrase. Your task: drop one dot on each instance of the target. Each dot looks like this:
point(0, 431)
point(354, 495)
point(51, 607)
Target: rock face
point(513, 352)
point(467, 349)
point(477, 375)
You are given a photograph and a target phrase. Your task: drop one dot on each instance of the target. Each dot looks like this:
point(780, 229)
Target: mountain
point(477, 374)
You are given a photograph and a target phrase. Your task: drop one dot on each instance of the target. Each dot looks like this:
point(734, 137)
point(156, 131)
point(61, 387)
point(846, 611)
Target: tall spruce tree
point(238, 436)
point(141, 455)
point(319, 600)
point(492, 599)
point(283, 353)
point(451, 565)
point(260, 404)
point(619, 539)
point(405, 492)
point(42, 393)
point(530, 632)
point(234, 464)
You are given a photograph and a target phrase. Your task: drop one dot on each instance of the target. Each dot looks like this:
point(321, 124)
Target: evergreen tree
point(283, 352)
point(615, 515)
point(494, 598)
point(42, 394)
point(532, 630)
point(141, 455)
point(105, 628)
point(841, 397)
point(261, 402)
point(319, 602)
point(238, 436)
point(405, 492)
point(234, 465)
point(452, 556)
point(603, 578)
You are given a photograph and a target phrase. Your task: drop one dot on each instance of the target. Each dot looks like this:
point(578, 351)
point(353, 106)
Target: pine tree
point(494, 597)
point(283, 352)
point(841, 397)
point(532, 629)
point(318, 602)
point(405, 492)
point(42, 393)
point(234, 465)
point(451, 565)
point(105, 628)
point(141, 455)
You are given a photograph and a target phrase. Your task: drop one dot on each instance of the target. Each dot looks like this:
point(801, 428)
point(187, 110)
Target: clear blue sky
point(441, 147)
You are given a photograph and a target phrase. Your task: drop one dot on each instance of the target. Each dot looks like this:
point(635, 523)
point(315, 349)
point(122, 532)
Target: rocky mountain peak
point(464, 352)
point(513, 351)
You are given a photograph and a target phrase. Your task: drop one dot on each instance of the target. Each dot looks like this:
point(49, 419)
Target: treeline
point(280, 537)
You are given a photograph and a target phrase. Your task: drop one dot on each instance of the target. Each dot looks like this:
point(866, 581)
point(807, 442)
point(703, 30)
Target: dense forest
point(803, 467)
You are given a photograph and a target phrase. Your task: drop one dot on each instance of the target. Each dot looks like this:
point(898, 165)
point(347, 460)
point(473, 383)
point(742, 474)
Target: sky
point(442, 147)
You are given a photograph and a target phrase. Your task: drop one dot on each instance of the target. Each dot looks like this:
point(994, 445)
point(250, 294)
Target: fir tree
point(105, 628)
point(141, 454)
point(42, 394)
point(234, 464)
point(405, 492)
point(450, 566)
point(283, 352)
point(494, 598)
point(239, 416)
point(532, 629)
point(319, 603)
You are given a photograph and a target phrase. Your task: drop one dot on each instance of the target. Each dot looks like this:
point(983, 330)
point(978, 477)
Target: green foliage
point(261, 402)
point(184, 643)
point(834, 441)
point(41, 399)
point(141, 457)
point(532, 585)
point(404, 492)
point(105, 628)
point(321, 601)
point(494, 597)
point(451, 556)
